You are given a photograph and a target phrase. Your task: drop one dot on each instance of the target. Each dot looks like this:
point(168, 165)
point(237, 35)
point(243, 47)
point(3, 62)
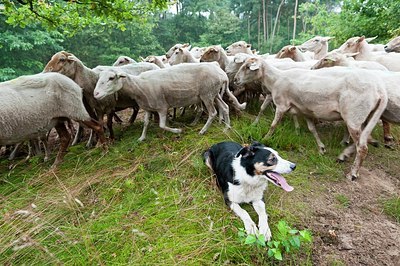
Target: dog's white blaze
point(251, 188)
point(283, 166)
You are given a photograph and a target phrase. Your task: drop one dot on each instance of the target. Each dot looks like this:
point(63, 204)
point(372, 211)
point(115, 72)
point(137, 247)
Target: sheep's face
point(248, 72)
point(327, 61)
point(61, 62)
point(288, 51)
point(239, 47)
point(352, 45)
point(393, 45)
point(210, 55)
point(314, 45)
point(109, 82)
point(177, 57)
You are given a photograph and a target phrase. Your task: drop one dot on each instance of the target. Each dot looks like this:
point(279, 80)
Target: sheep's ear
point(370, 39)
point(362, 38)
point(72, 58)
point(239, 59)
point(351, 54)
point(292, 48)
point(121, 75)
point(254, 66)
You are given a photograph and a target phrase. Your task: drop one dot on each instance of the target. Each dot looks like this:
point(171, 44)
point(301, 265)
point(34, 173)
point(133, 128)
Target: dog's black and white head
point(260, 161)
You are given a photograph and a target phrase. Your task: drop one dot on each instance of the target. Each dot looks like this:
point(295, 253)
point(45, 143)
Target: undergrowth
point(153, 202)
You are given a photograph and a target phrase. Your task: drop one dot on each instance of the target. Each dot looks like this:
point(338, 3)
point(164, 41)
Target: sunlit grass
point(154, 202)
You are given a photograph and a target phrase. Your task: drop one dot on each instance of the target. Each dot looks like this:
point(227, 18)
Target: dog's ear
point(256, 143)
point(246, 151)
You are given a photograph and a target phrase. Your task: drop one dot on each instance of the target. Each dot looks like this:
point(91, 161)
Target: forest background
point(99, 31)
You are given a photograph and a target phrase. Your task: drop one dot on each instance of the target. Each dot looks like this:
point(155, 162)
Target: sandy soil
point(357, 233)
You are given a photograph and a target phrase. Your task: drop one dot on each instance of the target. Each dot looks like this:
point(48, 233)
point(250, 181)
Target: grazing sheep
point(176, 86)
point(335, 58)
point(123, 60)
point(239, 47)
point(197, 52)
point(32, 105)
point(182, 55)
point(393, 45)
point(160, 61)
point(171, 50)
point(363, 51)
point(318, 45)
point(292, 52)
point(69, 65)
point(356, 96)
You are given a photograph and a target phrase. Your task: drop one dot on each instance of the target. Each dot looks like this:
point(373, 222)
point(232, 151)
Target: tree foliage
point(71, 16)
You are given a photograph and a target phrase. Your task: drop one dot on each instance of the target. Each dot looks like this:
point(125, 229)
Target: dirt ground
point(355, 232)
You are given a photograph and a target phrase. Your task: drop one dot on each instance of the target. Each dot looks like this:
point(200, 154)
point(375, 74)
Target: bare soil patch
point(349, 225)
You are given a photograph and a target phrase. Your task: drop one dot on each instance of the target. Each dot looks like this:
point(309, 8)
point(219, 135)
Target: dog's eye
point(272, 160)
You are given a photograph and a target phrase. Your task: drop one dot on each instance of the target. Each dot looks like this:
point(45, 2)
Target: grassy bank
point(156, 202)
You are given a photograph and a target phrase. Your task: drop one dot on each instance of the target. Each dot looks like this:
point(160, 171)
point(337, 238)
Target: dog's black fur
point(242, 173)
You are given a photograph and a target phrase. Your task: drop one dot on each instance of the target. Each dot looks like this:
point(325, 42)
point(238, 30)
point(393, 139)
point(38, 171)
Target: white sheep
point(33, 105)
point(123, 60)
point(356, 96)
point(318, 45)
point(176, 86)
point(393, 45)
point(182, 55)
point(239, 47)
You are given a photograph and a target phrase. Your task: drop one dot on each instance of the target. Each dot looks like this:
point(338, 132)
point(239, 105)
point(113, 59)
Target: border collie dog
point(243, 173)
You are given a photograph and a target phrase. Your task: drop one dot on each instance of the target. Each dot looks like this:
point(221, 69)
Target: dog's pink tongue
point(282, 181)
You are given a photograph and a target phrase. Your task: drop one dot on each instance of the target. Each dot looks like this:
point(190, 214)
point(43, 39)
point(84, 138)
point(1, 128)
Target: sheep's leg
point(199, 112)
point(65, 138)
point(78, 136)
point(146, 121)
point(116, 118)
point(134, 114)
point(97, 127)
point(389, 140)
point(296, 124)
point(224, 109)
point(313, 130)
point(163, 122)
point(277, 118)
point(14, 152)
point(212, 113)
point(267, 100)
point(46, 150)
point(234, 100)
point(346, 138)
point(90, 141)
point(109, 125)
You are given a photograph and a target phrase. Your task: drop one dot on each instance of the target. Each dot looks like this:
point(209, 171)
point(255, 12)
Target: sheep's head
point(330, 60)
point(171, 50)
point(288, 51)
point(250, 71)
point(197, 52)
point(393, 45)
point(239, 47)
point(211, 54)
point(178, 56)
point(123, 60)
point(109, 82)
point(315, 44)
point(352, 45)
point(63, 63)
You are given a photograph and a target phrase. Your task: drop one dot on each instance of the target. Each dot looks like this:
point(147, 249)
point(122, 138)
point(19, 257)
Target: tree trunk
point(278, 13)
point(295, 21)
point(259, 29)
point(248, 29)
point(264, 22)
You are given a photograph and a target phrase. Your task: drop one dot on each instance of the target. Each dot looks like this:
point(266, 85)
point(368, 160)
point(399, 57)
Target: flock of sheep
point(356, 83)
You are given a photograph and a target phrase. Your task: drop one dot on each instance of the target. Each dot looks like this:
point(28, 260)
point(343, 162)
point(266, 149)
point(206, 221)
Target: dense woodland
point(29, 36)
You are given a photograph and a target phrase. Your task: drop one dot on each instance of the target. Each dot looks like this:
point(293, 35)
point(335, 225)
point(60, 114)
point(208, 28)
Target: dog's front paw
point(266, 232)
point(251, 229)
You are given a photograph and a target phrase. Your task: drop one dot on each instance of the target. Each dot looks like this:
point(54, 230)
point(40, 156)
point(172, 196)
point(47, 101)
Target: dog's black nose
point(293, 166)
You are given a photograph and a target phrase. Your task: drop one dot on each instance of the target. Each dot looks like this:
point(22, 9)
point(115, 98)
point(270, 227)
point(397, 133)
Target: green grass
point(392, 208)
point(154, 202)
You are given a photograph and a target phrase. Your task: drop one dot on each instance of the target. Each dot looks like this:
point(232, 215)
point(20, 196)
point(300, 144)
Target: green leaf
point(261, 240)
point(296, 240)
point(271, 252)
point(293, 231)
point(250, 239)
point(286, 244)
point(276, 244)
point(278, 255)
point(270, 244)
point(306, 235)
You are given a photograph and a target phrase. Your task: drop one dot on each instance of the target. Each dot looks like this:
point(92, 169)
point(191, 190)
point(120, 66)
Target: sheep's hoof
point(341, 158)
point(345, 143)
point(374, 143)
point(141, 139)
point(351, 177)
point(322, 150)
